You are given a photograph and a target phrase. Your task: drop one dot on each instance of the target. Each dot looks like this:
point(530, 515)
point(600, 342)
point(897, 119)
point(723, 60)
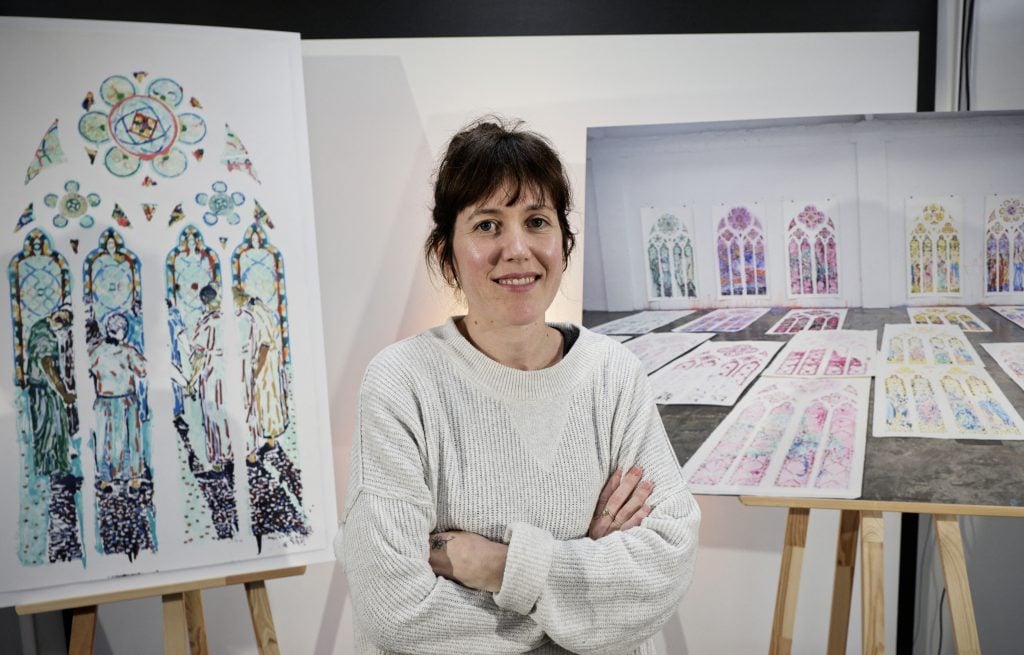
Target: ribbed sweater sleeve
point(610, 594)
point(400, 604)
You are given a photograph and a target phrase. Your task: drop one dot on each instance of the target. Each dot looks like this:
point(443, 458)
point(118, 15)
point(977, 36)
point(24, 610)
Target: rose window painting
point(142, 122)
point(933, 247)
point(741, 254)
point(1004, 245)
point(812, 254)
point(668, 253)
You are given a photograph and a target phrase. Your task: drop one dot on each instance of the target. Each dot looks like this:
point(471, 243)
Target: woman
point(487, 510)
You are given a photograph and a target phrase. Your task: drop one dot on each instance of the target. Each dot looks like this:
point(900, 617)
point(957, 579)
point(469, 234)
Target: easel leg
point(789, 581)
point(954, 570)
point(83, 630)
point(175, 642)
point(842, 584)
point(196, 623)
point(262, 619)
point(872, 589)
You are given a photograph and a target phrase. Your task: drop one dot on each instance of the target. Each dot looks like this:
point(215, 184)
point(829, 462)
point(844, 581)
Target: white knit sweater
point(449, 439)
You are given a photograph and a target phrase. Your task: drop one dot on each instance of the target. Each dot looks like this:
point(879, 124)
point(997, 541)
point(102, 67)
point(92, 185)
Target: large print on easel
point(162, 391)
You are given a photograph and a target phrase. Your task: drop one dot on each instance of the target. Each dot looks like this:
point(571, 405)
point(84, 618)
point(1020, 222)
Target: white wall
point(380, 111)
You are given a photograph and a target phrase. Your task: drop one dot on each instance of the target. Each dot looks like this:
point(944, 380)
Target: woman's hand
point(469, 559)
point(622, 504)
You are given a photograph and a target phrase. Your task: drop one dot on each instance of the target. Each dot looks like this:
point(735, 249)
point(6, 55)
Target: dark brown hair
point(486, 155)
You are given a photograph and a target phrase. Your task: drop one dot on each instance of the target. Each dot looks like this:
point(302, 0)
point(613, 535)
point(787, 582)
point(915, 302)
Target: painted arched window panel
point(739, 235)
point(261, 310)
point(933, 246)
point(669, 253)
point(112, 283)
point(195, 298)
point(811, 238)
point(788, 437)
point(1004, 244)
point(50, 515)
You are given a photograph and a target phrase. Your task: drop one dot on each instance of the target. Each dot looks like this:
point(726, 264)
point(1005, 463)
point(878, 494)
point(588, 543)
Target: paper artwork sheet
point(948, 402)
point(1010, 357)
point(1013, 314)
point(927, 345)
point(716, 373)
point(933, 245)
point(961, 317)
point(836, 353)
point(163, 374)
point(642, 322)
point(1004, 244)
point(657, 349)
point(800, 320)
point(788, 437)
point(732, 319)
point(740, 250)
point(669, 260)
point(812, 250)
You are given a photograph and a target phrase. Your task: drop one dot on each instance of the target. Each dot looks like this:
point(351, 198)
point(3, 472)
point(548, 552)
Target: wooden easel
point(184, 626)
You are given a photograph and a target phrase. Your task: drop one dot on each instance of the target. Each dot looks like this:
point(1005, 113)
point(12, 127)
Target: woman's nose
point(514, 244)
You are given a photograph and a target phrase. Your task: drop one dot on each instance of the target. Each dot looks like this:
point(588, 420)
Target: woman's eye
point(538, 221)
point(485, 226)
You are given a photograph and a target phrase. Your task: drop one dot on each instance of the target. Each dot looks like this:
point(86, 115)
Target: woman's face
point(508, 259)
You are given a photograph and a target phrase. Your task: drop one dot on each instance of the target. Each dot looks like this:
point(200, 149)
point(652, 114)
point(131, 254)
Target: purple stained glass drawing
point(813, 258)
point(1004, 245)
point(741, 254)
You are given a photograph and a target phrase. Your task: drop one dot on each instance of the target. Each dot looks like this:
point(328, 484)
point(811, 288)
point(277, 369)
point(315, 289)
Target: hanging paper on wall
point(799, 320)
point(1004, 244)
point(740, 251)
point(787, 437)
point(659, 348)
point(669, 259)
point(838, 353)
point(1010, 357)
point(1013, 314)
point(641, 322)
point(958, 316)
point(812, 249)
point(733, 319)
point(933, 245)
point(948, 402)
point(716, 373)
point(927, 345)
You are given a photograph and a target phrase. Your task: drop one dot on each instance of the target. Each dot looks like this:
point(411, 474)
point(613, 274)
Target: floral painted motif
point(741, 254)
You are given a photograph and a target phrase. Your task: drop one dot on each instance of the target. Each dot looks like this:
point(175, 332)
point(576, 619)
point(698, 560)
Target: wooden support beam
point(175, 636)
point(872, 584)
point(262, 619)
point(196, 622)
point(842, 583)
point(954, 570)
point(789, 581)
point(83, 630)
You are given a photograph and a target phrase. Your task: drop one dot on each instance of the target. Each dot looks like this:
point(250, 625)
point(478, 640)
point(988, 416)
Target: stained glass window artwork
point(961, 317)
point(927, 345)
point(933, 246)
point(838, 353)
point(788, 437)
point(948, 402)
point(641, 322)
point(716, 373)
point(731, 319)
point(1004, 244)
point(1013, 314)
point(659, 348)
point(1010, 358)
point(813, 320)
point(669, 259)
point(47, 153)
point(812, 250)
point(740, 251)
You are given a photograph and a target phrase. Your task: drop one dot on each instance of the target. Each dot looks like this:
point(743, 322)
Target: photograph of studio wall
point(869, 216)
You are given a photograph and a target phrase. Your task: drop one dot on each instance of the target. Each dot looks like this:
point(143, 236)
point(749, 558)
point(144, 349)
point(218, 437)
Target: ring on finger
point(604, 513)
point(615, 525)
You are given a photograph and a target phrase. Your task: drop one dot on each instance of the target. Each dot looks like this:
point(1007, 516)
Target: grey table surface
point(897, 469)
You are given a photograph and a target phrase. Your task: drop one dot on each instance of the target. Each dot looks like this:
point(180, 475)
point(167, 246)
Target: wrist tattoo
point(439, 543)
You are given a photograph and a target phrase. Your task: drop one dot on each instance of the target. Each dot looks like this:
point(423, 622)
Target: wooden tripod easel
point(184, 626)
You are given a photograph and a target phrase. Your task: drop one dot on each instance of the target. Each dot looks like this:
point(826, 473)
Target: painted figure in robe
point(49, 396)
point(207, 378)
